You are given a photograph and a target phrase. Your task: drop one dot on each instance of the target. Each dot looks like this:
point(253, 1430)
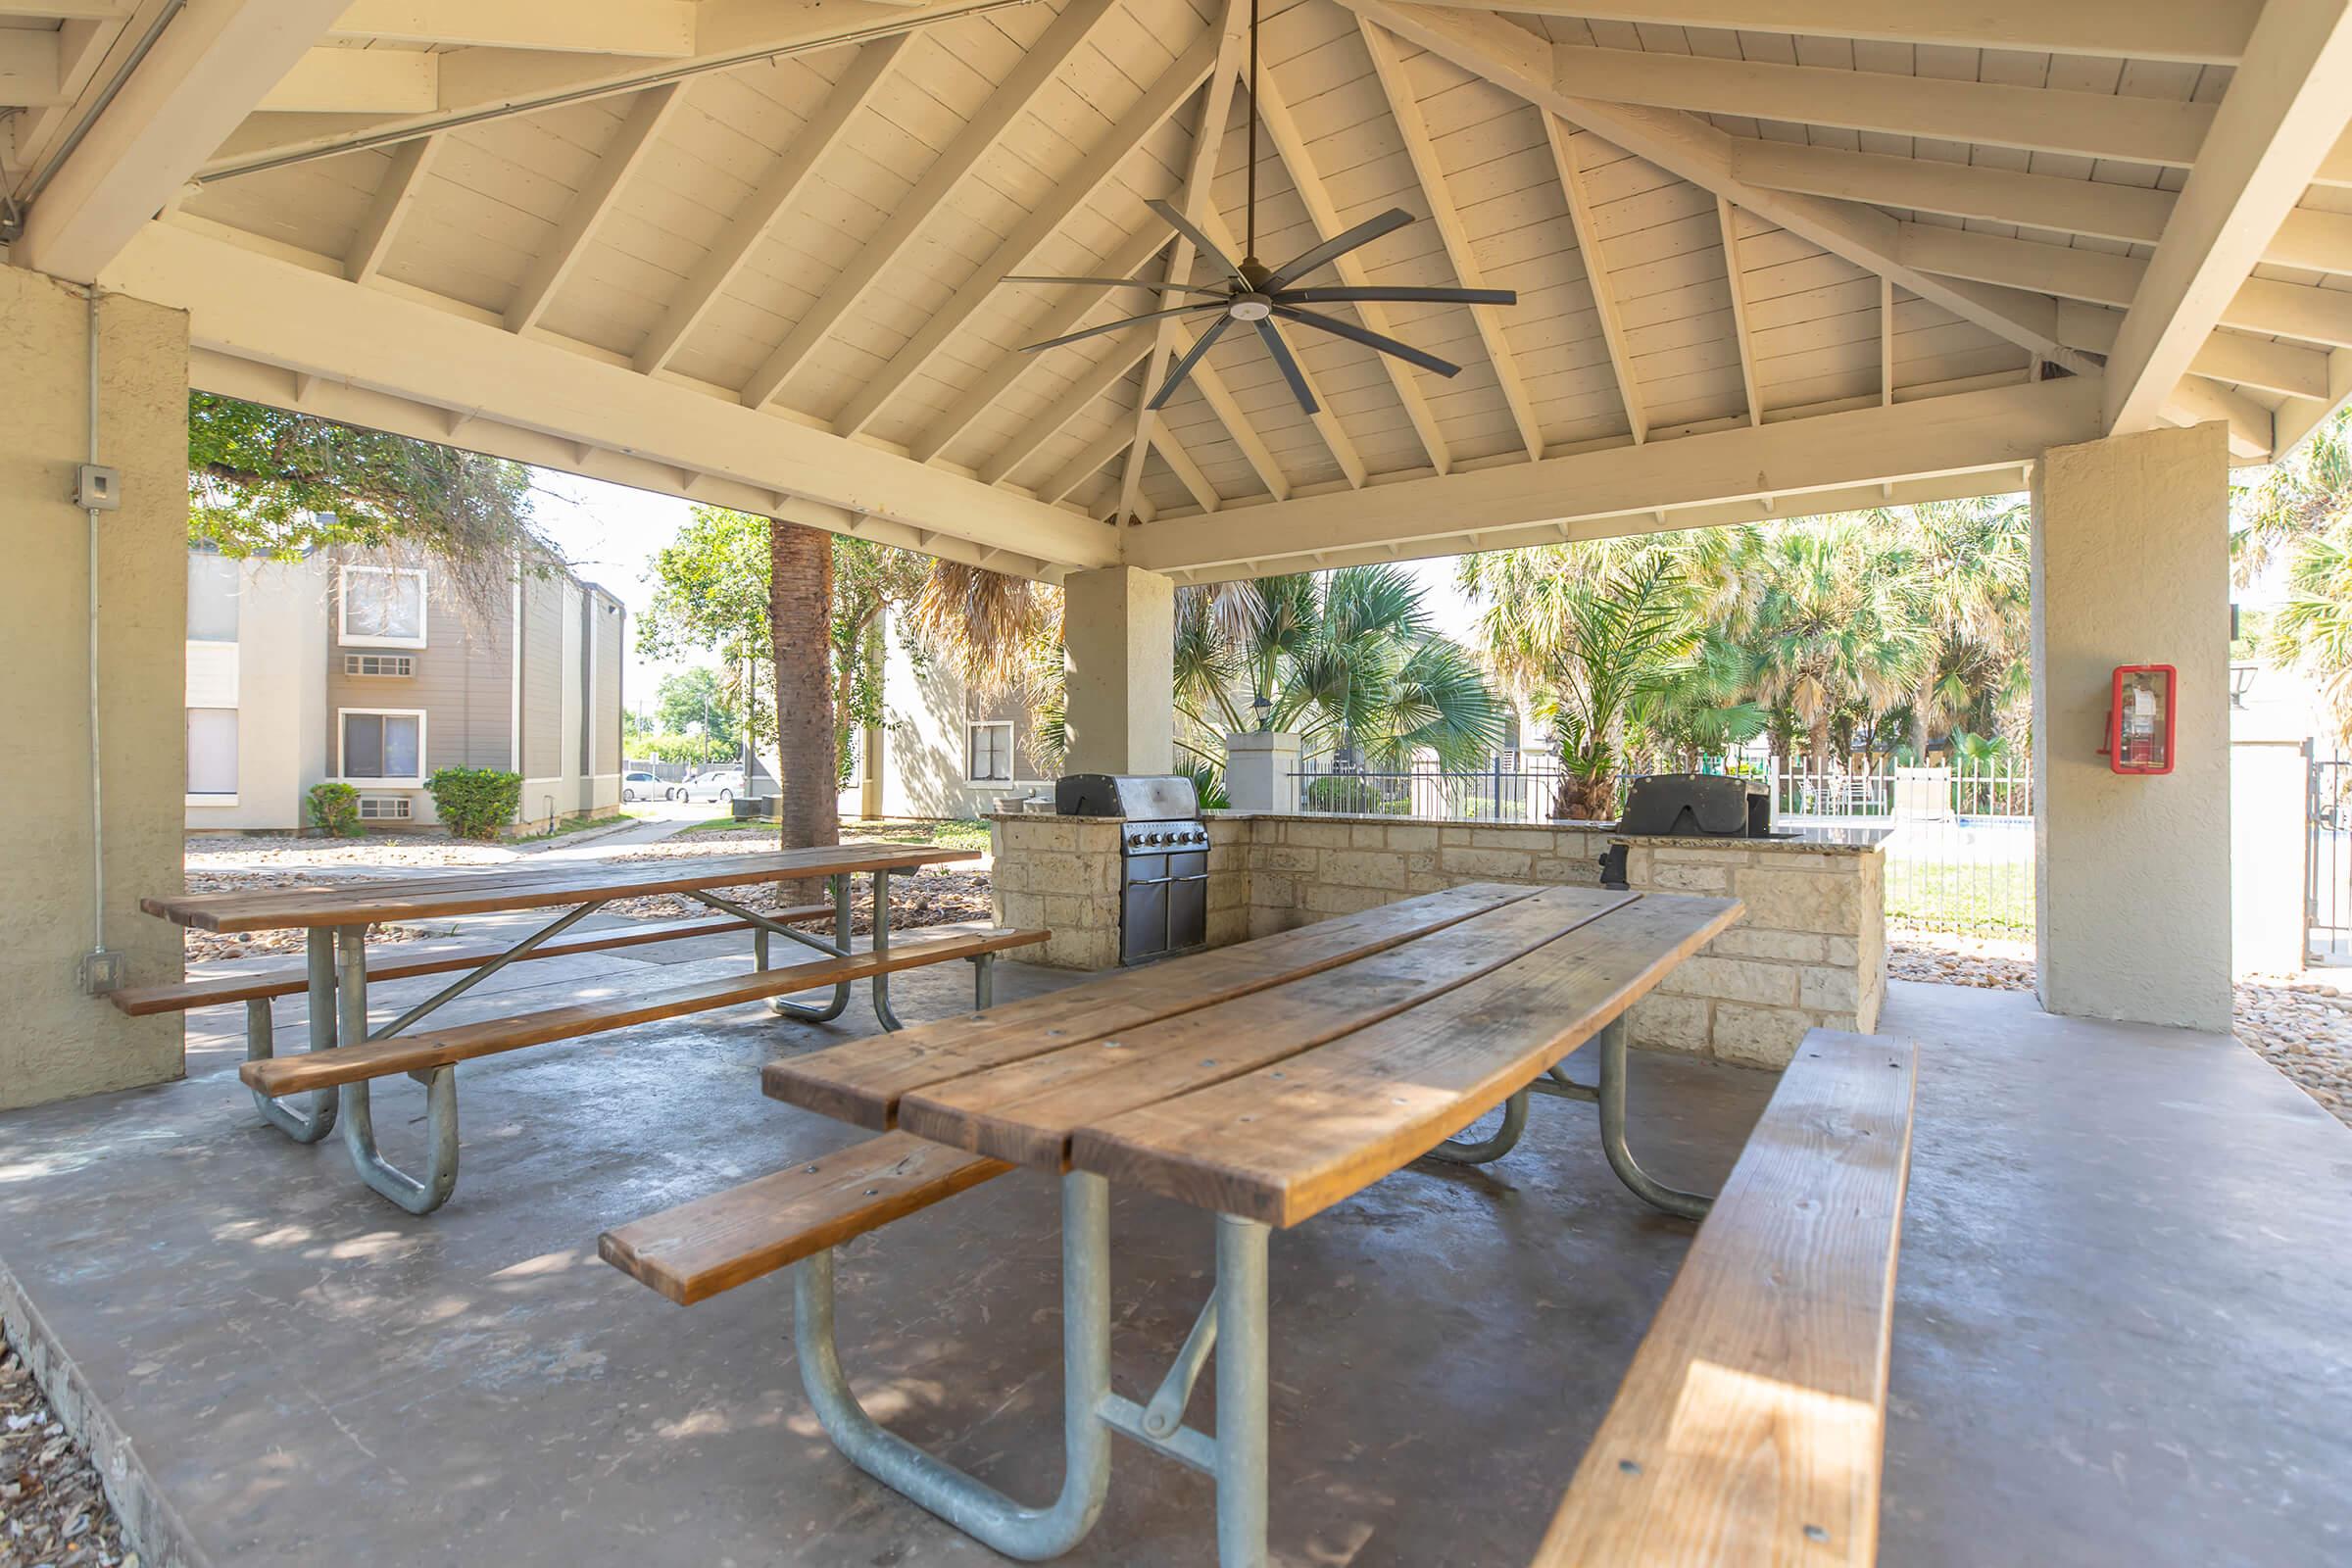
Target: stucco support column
point(2131, 567)
point(55, 1041)
point(1119, 642)
point(1261, 768)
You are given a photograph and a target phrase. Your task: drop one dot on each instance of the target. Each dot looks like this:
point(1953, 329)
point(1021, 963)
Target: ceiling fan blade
point(1371, 340)
point(1403, 295)
point(1363, 234)
point(1289, 368)
point(1118, 282)
point(1113, 326)
point(1200, 241)
point(1184, 366)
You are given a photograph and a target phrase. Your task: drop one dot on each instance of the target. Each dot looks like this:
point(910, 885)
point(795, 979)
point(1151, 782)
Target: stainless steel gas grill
point(1163, 856)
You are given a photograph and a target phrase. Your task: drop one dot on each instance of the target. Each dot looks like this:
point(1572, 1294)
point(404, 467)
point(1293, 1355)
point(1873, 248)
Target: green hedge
point(474, 803)
point(335, 810)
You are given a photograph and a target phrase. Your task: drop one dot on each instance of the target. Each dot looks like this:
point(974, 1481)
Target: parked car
point(719, 784)
point(643, 787)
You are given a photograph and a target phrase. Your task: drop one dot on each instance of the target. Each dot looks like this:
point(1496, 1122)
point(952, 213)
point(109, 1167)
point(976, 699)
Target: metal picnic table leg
point(260, 1043)
point(840, 886)
point(1242, 1428)
point(972, 1506)
point(417, 1195)
point(1454, 1152)
point(881, 944)
point(1657, 1193)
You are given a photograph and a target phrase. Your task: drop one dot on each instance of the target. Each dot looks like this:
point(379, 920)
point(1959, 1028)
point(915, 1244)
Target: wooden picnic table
point(1263, 1082)
point(336, 916)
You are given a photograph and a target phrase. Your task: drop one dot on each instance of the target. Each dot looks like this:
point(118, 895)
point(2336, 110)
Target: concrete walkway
point(2120, 1337)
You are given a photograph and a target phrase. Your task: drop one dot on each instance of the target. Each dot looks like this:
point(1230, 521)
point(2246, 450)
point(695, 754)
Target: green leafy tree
point(1347, 657)
point(699, 699)
point(2299, 513)
point(266, 482)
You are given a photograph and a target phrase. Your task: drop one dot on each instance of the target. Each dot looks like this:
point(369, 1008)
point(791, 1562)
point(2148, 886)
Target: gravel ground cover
point(52, 1512)
point(2300, 1024)
point(933, 896)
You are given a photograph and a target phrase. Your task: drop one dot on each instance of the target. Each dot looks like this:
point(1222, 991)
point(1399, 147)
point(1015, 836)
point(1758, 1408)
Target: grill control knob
point(1135, 841)
point(1155, 838)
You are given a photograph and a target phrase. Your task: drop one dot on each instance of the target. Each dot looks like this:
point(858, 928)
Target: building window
point(382, 607)
point(386, 747)
point(212, 582)
point(212, 751)
point(991, 753)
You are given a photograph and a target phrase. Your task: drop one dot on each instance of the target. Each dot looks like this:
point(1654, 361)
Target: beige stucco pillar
point(1119, 642)
point(2131, 567)
point(55, 1041)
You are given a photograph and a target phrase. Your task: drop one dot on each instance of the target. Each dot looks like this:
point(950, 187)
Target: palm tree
point(1974, 559)
point(1832, 611)
point(1345, 659)
point(2301, 510)
point(800, 612)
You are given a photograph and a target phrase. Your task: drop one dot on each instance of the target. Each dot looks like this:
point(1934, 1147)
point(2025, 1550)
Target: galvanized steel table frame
point(1231, 1327)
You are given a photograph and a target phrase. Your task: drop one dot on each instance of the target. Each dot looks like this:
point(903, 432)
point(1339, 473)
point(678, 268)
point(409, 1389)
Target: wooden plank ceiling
point(1719, 215)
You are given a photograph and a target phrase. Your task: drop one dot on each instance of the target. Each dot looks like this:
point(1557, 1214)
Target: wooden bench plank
point(428, 1049)
point(1751, 1425)
point(425, 898)
point(694, 1252)
point(1027, 1111)
point(863, 1082)
point(1284, 1142)
point(406, 961)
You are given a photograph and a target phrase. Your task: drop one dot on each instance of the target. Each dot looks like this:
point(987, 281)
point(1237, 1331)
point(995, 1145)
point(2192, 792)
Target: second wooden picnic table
point(1263, 1083)
point(335, 918)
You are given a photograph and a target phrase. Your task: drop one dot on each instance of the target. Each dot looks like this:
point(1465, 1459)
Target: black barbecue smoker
point(1163, 856)
point(1686, 806)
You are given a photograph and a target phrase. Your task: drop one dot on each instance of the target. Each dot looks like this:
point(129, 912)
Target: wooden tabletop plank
point(1281, 1144)
point(1756, 1405)
point(863, 1082)
point(426, 897)
point(1025, 1112)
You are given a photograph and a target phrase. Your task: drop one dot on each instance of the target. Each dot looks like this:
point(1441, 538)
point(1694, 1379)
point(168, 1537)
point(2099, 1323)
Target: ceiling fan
point(1255, 294)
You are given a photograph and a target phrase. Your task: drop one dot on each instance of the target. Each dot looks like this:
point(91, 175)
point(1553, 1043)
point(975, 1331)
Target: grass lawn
point(567, 827)
point(1996, 900)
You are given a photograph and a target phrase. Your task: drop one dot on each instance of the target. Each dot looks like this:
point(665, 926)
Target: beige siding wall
point(543, 635)
point(461, 679)
point(611, 653)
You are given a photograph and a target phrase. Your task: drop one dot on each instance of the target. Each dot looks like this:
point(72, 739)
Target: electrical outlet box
point(101, 971)
point(97, 488)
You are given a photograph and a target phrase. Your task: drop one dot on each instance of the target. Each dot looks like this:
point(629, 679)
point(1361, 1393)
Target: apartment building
point(943, 750)
point(376, 668)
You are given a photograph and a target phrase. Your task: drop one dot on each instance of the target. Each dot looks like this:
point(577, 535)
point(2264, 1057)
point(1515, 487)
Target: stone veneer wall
point(1810, 952)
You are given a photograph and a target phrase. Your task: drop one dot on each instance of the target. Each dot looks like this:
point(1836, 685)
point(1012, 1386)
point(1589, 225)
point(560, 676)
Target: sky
point(611, 535)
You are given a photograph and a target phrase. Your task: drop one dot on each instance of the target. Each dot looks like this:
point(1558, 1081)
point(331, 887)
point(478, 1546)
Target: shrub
point(335, 810)
point(474, 803)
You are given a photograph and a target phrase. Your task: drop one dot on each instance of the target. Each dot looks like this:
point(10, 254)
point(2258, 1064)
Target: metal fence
point(1959, 848)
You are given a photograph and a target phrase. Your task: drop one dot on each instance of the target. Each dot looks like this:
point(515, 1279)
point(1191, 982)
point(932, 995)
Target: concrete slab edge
point(151, 1526)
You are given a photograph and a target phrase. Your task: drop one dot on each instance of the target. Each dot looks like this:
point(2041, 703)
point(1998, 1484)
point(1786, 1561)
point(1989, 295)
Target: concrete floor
point(2121, 1331)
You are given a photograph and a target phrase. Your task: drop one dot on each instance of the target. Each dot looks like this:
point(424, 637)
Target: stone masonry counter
point(1811, 950)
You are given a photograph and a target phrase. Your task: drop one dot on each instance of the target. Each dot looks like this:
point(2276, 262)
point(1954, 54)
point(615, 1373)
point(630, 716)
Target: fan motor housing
point(1251, 308)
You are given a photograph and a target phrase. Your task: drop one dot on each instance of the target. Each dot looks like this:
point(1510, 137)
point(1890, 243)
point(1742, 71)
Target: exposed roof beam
point(48, 10)
point(410, 161)
point(2280, 367)
point(1179, 462)
point(753, 220)
point(83, 45)
point(358, 81)
point(1516, 59)
point(1071, 192)
point(2258, 304)
point(479, 85)
point(209, 67)
point(663, 28)
point(1885, 342)
point(2197, 401)
point(970, 145)
point(258, 306)
point(1993, 429)
point(2205, 32)
point(1199, 174)
point(1728, 220)
point(2307, 237)
point(1067, 311)
point(2090, 125)
point(1274, 112)
point(1563, 143)
point(1336, 438)
point(1090, 459)
point(638, 129)
point(29, 69)
point(1107, 372)
point(1404, 108)
point(2279, 119)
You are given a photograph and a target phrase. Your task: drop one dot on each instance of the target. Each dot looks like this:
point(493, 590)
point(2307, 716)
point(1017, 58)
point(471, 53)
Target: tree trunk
point(1817, 745)
point(800, 612)
point(1919, 720)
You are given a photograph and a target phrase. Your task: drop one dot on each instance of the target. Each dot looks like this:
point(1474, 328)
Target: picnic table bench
point(346, 1057)
point(1263, 1082)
